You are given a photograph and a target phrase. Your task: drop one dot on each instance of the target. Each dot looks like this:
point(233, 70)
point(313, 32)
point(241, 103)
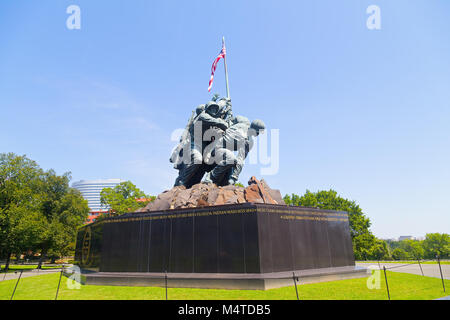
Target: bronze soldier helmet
point(212, 108)
point(258, 126)
point(200, 109)
point(241, 119)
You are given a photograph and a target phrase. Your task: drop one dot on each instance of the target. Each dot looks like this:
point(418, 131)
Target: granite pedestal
point(239, 246)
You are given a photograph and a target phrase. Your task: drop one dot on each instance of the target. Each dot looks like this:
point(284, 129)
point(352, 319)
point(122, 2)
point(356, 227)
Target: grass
point(402, 286)
point(404, 261)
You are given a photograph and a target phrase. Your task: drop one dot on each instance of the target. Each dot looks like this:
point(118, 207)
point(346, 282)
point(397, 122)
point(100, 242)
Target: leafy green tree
point(413, 248)
point(380, 251)
point(363, 240)
point(393, 244)
point(437, 244)
point(400, 254)
point(292, 200)
point(63, 210)
point(122, 198)
point(38, 210)
point(72, 212)
point(20, 222)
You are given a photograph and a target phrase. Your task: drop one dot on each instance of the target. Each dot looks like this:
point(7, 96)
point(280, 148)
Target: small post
point(295, 283)
point(165, 280)
point(60, 276)
point(387, 285)
point(418, 260)
point(440, 270)
point(16, 285)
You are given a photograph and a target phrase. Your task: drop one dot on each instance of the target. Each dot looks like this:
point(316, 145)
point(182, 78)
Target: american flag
point(214, 65)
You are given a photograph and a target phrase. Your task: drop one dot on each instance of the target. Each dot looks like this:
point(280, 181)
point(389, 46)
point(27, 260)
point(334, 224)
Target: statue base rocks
point(208, 194)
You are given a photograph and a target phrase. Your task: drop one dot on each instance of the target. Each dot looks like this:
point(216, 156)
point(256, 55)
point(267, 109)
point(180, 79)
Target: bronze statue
point(209, 141)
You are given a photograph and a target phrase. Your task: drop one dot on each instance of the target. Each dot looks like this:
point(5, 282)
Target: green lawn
point(405, 262)
point(402, 286)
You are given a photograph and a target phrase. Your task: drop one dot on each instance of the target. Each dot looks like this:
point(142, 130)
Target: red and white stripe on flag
point(214, 65)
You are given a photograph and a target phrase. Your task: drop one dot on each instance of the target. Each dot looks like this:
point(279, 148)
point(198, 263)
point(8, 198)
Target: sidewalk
point(26, 273)
point(429, 270)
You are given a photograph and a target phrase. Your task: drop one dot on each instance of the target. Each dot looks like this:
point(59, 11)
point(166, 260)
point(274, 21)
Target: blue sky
point(364, 112)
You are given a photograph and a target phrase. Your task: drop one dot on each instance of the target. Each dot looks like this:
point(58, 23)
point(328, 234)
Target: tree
point(413, 248)
point(293, 200)
point(393, 244)
point(63, 210)
point(71, 213)
point(380, 251)
point(122, 198)
point(400, 254)
point(20, 221)
point(437, 244)
point(363, 240)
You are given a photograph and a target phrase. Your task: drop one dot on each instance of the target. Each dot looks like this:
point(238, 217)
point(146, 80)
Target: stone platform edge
point(237, 281)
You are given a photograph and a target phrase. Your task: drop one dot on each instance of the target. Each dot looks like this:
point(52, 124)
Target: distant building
point(91, 189)
point(401, 238)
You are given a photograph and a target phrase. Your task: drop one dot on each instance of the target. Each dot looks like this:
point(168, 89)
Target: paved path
point(26, 274)
point(429, 270)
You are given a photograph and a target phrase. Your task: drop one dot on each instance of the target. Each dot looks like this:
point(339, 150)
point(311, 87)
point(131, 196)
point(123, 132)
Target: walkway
point(26, 274)
point(429, 270)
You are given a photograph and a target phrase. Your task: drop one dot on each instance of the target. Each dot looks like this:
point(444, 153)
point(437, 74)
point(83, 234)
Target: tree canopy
point(123, 198)
point(437, 244)
point(63, 210)
point(38, 209)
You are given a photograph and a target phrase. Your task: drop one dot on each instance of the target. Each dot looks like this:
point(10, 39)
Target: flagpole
point(226, 70)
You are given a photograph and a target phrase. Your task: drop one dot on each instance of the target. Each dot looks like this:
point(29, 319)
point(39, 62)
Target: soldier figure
point(192, 168)
point(177, 154)
point(209, 142)
point(238, 137)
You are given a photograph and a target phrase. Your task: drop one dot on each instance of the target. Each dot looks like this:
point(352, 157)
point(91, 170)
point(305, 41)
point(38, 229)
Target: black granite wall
point(297, 238)
point(242, 238)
